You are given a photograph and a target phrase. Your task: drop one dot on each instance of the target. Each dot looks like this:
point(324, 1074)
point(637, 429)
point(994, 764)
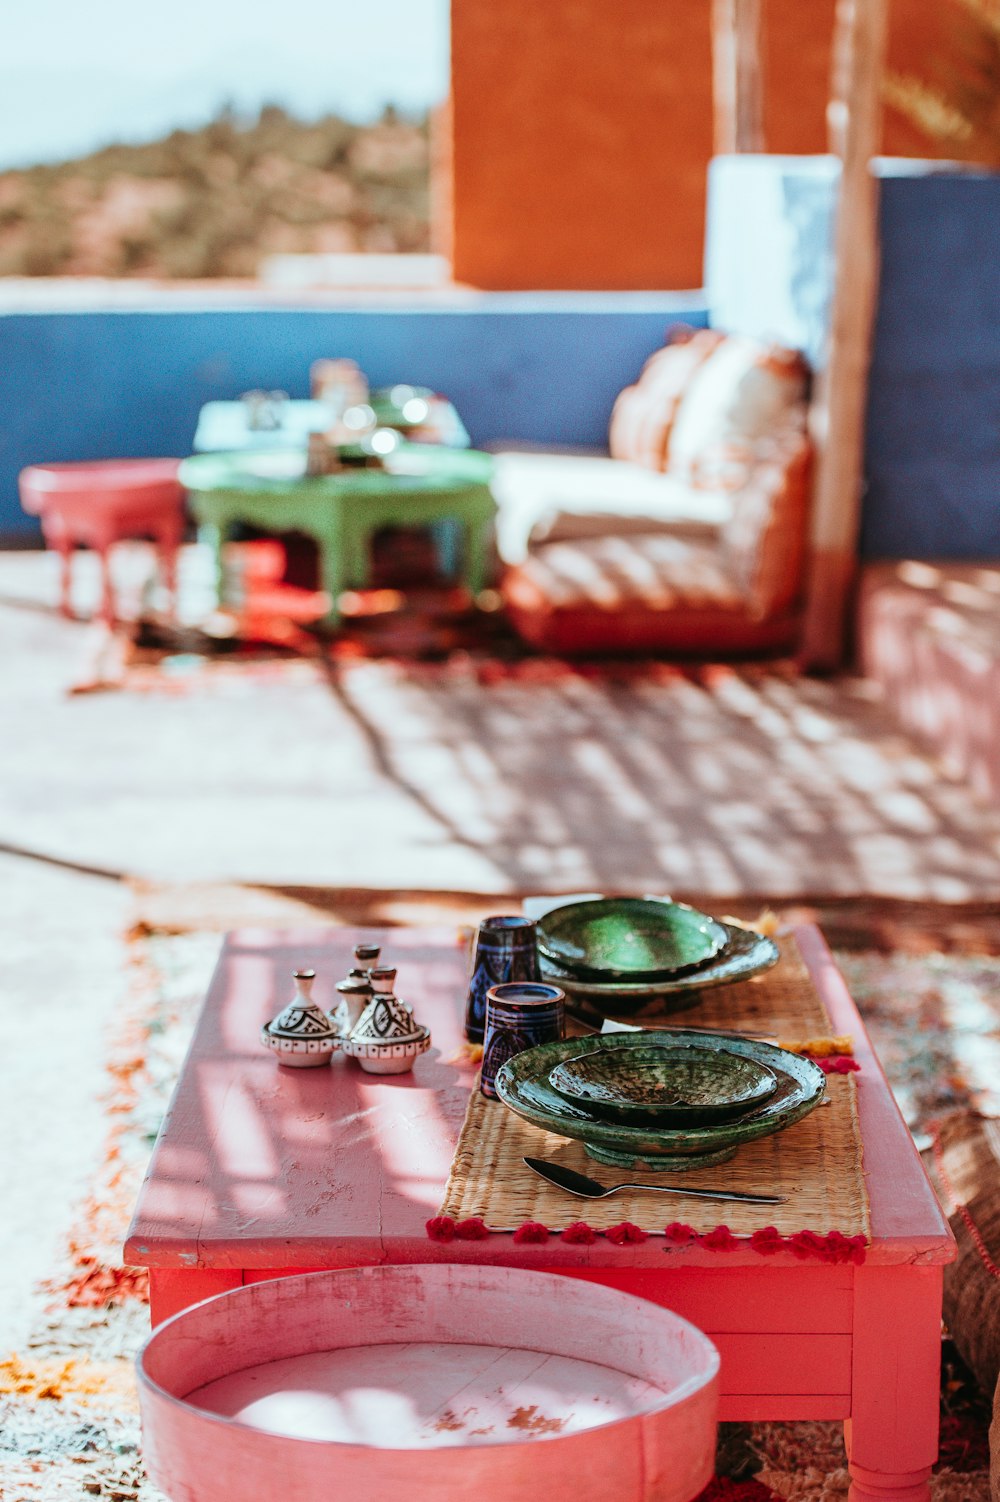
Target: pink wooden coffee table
point(260, 1172)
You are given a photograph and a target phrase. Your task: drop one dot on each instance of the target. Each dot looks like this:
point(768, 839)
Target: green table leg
point(479, 536)
point(477, 556)
point(213, 535)
point(336, 563)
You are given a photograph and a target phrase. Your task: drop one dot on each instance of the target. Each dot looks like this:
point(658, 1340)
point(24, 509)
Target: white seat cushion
point(546, 498)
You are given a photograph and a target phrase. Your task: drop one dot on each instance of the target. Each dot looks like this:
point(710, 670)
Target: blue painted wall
point(96, 384)
point(933, 436)
point(933, 460)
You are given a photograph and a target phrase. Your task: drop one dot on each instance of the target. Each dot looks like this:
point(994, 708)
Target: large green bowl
point(628, 938)
point(744, 955)
point(687, 1085)
point(522, 1083)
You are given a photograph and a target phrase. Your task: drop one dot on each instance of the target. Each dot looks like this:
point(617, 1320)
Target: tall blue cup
point(505, 951)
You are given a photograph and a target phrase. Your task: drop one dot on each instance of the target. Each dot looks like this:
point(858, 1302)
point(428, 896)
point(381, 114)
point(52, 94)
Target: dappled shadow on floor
point(714, 780)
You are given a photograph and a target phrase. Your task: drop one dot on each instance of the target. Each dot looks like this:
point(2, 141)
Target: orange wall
point(582, 129)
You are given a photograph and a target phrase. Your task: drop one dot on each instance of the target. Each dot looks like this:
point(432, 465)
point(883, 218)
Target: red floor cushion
point(648, 592)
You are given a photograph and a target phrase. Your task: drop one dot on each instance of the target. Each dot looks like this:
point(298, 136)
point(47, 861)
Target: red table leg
point(892, 1435)
point(169, 536)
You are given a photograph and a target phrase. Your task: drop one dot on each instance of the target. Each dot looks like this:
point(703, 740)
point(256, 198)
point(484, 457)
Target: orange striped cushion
point(660, 572)
point(764, 541)
point(643, 414)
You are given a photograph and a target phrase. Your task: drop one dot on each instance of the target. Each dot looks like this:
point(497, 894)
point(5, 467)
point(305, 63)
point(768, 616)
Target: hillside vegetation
point(212, 202)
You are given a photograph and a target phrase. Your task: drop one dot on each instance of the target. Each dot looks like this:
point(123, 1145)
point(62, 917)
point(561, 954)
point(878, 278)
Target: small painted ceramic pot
point(302, 1035)
point(505, 951)
point(519, 1014)
point(387, 1038)
point(355, 991)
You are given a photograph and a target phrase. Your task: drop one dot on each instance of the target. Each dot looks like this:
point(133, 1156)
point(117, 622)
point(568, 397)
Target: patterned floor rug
point(68, 1412)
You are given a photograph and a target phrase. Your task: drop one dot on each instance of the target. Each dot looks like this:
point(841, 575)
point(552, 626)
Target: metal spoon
point(590, 1189)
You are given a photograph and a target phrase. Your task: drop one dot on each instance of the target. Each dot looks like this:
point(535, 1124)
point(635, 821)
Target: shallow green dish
point(522, 1083)
point(743, 955)
point(629, 938)
point(662, 1086)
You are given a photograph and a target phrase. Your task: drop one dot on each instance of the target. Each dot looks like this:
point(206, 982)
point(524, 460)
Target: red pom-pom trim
point(767, 1241)
point(840, 1063)
point(720, 1240)
point(808, 1244)
point(833, 1247)
point(441, 1228)
point(679, 1234)
point(473, 1229)
point(846, 1248)
point(580, 1234)
point(532, 1231)
point(626, 1234)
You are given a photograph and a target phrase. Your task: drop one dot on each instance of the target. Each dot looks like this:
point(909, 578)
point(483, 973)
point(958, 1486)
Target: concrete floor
point(61, 975)
point(719, 783)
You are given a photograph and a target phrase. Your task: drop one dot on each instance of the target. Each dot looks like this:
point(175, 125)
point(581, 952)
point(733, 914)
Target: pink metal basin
point(436, 1384)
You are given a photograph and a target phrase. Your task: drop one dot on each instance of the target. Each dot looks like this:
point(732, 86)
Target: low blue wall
point(933, 436)
point(97, 384)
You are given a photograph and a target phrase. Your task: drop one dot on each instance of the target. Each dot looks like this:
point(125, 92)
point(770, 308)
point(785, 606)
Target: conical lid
point(302, 1018)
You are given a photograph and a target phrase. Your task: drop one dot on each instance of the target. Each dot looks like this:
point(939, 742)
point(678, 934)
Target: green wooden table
point(342, 512)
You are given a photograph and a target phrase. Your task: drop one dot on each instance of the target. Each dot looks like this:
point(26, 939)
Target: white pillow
point(742, 392)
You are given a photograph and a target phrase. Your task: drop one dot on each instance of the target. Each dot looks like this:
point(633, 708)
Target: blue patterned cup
point(519, 1014)
point(505, 951)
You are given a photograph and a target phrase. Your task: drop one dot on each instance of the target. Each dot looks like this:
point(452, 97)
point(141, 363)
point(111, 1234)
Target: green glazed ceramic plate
point(743, 955)
point(522, 1084)
point(677, 1086)
point(628, 938)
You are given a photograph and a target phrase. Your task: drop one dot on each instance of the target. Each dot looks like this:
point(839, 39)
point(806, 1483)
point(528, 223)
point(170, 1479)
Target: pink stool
point(99, 502)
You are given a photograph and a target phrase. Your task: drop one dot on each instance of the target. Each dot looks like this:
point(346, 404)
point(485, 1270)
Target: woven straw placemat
point(783, 1001)
point(816, 1163)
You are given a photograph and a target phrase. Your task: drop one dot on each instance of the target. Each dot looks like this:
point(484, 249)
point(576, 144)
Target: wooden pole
point(737, 76)
point(840, 404)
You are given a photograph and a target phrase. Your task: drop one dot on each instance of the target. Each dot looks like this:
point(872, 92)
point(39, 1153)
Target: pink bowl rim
point(694, 1384)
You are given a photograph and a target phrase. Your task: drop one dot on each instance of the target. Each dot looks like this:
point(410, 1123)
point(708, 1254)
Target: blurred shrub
point(212, 202)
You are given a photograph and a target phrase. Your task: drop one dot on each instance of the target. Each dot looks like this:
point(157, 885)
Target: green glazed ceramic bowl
point(681, 1086)
point(628, 938)
point(523, 1084)
point(743, 955)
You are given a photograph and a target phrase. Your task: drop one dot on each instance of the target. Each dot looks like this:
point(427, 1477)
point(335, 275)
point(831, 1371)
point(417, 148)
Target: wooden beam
point(840, 404)
point(737, 76)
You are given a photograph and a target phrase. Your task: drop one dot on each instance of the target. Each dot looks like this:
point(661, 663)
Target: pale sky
point(74, 76)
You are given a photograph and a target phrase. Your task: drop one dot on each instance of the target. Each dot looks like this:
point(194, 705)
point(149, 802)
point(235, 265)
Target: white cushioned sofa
point(690, 537)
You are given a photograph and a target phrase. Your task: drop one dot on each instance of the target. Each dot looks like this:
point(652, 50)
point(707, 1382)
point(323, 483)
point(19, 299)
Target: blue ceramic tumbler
point(519, 1015)
point(505, 950)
